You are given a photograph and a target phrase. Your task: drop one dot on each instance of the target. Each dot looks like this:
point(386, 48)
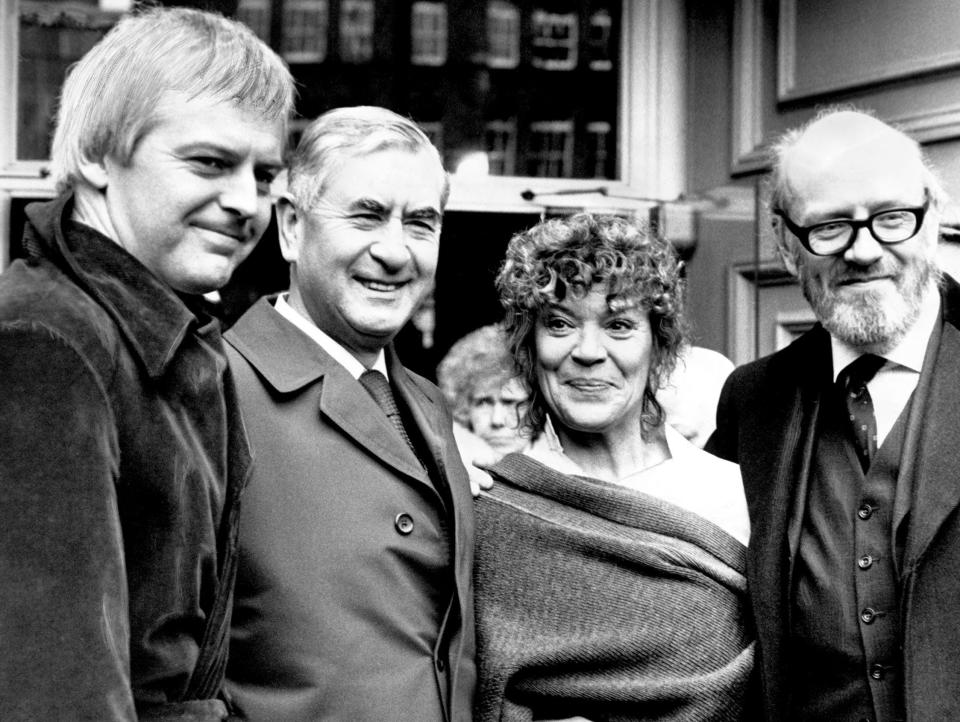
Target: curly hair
point(478, 357)
point(573, 255)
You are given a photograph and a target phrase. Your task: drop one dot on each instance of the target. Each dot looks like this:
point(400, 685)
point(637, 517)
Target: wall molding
point(747, 102)
point(919, 60)
point(745, 280)
point(652, 92)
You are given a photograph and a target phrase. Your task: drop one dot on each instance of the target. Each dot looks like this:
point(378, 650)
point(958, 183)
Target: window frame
point(650, 150)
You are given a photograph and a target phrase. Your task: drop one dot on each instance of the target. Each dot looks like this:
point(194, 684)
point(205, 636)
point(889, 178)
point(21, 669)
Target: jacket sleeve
point(63, 592)
point(723, 441)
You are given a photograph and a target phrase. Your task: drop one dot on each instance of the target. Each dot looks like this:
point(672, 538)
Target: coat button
point(865, 511)
point(441, 664)
point(868, 615)
point(865, 562)
point(876, 671)
point(403, 524)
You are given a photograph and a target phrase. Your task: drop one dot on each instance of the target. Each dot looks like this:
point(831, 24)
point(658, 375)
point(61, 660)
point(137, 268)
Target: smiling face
point(194, 199)
point(871, 294)
point(365, 256)
point(593, 363)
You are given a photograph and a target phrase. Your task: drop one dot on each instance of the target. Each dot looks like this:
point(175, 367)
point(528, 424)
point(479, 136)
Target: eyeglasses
point(894, 225)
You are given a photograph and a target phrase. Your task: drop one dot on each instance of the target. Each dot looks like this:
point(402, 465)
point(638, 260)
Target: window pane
point(491, 77)
point(53, 35)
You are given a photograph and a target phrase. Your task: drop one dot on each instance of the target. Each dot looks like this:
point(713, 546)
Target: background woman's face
point(592, 362)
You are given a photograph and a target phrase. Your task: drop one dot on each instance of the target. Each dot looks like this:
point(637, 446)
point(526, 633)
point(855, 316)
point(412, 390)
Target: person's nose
point(390, 247)
point(241, 194)
point(589, 348)
point(865, 249)
point(498, 415)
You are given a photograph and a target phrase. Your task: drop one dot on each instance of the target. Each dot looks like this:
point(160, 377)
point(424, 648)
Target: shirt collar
point(326, 342)
point(909, 352)
point(548, 449)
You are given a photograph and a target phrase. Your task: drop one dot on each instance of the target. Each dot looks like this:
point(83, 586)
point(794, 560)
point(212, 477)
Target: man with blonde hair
point(122, 456)
point(354, 596)
point(848, 439)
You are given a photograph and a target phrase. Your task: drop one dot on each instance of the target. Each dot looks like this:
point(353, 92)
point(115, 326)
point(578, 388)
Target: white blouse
point(691, 479)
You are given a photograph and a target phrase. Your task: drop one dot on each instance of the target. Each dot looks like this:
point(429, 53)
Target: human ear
point(787, 253)
point(289, 227)
point(95, 173)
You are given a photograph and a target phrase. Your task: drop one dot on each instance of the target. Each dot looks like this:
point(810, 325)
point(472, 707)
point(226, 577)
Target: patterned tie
point(853, 380)
point(378, 387)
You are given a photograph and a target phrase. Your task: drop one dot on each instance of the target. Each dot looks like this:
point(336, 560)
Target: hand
point(477, 456)
point(480, 480)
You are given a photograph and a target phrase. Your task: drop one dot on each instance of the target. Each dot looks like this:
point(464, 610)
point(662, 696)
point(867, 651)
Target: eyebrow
point(368, 204)
point(873, 207)
point(211, 146)
point(426, 214)
point(375, 206)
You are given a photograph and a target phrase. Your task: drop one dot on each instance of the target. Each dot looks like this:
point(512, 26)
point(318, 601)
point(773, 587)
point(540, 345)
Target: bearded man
point(848, 439)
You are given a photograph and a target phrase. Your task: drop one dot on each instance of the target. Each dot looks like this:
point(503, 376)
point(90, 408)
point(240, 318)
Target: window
point(52, 37)
point(501, 144)
point(255, 14)
point(465, 113)
point(428, 33)
point(356, 31)
point(598, 41)
point(503, 35)
point(551, 148)
point(597, 154)
point(555, 38)
point(304, 31)
point(434, 131)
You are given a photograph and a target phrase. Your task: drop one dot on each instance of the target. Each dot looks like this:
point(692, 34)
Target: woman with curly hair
point(611, 554)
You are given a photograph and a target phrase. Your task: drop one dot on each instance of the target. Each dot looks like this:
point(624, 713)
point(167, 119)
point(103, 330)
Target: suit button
point(865, 511)
point(865, 562)
point(403, 524)
point(876, 671)
point(868, 616)
point(441, 664)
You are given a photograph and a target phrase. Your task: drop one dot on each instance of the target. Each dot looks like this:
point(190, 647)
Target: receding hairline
point(836, 132)
point(847, 132)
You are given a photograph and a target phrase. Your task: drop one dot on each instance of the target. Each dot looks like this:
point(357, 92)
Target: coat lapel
point(936, 477)
point(777, 468)
point(348, 405)
point(289, 360)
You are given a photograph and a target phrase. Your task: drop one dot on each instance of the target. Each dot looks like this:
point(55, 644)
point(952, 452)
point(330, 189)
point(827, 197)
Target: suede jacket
point(122, 462)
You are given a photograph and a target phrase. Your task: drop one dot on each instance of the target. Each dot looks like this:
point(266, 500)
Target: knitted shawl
point(595, 600)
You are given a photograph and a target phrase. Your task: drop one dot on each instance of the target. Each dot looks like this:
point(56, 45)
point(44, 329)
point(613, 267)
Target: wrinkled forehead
point(850, 164)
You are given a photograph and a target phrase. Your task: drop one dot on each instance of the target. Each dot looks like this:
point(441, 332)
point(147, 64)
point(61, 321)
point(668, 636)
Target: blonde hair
point(108, 102)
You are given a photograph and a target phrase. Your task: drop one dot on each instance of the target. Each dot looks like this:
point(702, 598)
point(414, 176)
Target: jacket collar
point(150, 316)
point(284, 355)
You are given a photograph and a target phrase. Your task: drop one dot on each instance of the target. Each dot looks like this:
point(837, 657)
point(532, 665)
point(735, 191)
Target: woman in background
point(611, 553)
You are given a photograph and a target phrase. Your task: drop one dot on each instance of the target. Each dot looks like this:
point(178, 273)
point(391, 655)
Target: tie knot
point(378, 387)
point(859, 373)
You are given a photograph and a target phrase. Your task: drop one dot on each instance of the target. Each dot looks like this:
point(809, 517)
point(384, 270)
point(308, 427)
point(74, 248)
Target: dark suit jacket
point(337, 615)
point(765, 422)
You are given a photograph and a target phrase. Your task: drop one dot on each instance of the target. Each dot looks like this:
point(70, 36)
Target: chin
point(504, 446)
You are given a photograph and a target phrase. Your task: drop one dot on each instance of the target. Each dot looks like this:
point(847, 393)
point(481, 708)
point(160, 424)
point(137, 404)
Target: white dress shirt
point(337, 351)
point(890, 389)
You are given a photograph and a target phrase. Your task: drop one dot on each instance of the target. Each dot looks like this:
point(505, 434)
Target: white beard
point(871, 319)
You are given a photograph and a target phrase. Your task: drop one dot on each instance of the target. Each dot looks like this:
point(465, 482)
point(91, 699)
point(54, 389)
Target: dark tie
point(378, 387)
point(853, 380)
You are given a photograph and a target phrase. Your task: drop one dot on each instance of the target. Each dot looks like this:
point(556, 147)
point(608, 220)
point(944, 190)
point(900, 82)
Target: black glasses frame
point(803, 232)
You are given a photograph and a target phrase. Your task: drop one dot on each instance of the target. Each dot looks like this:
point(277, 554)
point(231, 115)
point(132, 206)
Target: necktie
point(378, 387)
point(853, 380)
